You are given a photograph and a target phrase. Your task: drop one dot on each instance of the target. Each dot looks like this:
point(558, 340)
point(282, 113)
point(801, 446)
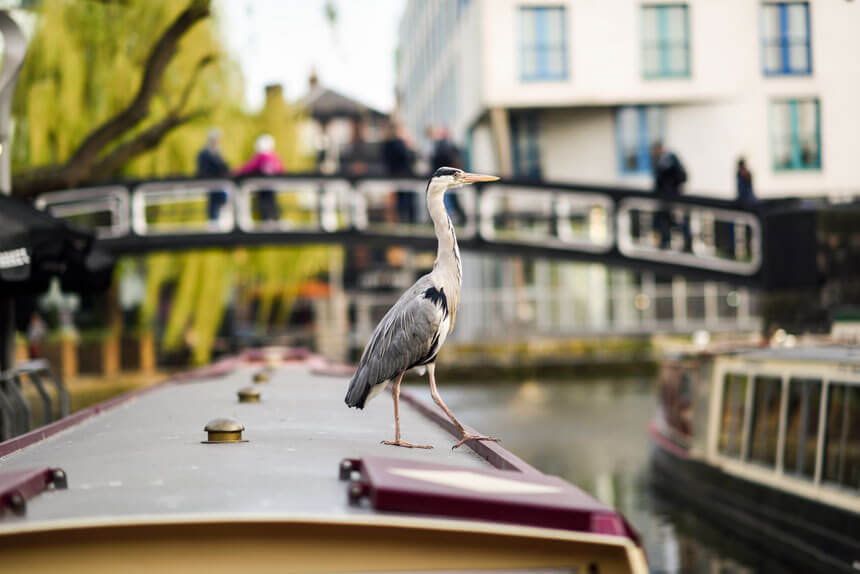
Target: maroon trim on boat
point(665, 442)
point(533, 499)
point(490, 451)
point(17, 486)
point(36, 435)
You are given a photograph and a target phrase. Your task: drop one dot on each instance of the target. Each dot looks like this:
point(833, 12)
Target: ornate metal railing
point(620, 226)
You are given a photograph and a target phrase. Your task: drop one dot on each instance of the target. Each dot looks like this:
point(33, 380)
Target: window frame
point(756, 424)
point(662, 45)
point(812, 409)
point(851, 389)
point(794, 134)
point(541, 47)
point(783, 41)
point(527, 125)
point(643, 136)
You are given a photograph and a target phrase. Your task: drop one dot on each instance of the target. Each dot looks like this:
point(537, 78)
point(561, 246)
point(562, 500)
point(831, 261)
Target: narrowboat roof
point(141, 458)
point(833, 354)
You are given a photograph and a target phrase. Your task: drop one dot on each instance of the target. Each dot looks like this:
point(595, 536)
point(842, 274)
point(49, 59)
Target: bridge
point(711, 239)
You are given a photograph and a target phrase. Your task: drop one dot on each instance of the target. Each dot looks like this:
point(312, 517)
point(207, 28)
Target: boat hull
point(796, 533)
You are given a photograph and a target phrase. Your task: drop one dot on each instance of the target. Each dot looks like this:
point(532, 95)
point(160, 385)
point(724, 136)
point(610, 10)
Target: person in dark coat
point(360, 157)
point(744, 178)
point(210, 164)
point(745, 198)
point(447, 154)
point(398, 158)
point(669, 176)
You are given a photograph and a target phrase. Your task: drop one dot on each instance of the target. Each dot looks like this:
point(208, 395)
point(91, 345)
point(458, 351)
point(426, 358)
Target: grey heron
point(417, 325)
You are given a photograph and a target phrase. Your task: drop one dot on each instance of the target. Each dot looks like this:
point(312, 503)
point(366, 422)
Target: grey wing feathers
point(402, 338)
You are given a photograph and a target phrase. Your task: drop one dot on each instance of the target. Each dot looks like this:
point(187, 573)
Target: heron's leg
point(434, 392)
point(397, 441)
point(431, 373)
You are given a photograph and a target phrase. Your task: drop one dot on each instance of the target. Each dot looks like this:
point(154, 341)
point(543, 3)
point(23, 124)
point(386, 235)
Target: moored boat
point(766, 441)
point(290, 481)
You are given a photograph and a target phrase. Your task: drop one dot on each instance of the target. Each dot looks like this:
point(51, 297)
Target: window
point(764, 426)
point(801, 429)
point(524, 141)
point(665, 41)
point(842, 441)
point(785, 38)
point(543, 45)
point(637, 128)
point(734, 406)
point(796, 134)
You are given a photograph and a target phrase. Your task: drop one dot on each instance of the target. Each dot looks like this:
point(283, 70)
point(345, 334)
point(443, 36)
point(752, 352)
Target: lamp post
point(15, 49)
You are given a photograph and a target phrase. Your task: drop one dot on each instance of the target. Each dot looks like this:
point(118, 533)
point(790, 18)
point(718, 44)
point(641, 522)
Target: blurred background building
point(579, 90)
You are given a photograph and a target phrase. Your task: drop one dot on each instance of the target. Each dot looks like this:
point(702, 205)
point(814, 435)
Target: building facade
point(578, 90)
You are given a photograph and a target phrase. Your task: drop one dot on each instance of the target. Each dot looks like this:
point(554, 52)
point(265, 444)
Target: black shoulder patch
point(437, 296)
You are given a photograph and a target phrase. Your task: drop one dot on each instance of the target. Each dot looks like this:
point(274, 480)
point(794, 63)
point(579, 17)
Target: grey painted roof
point(324, 103)
point(145, 457)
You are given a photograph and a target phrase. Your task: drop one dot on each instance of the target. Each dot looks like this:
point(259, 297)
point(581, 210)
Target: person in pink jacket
point(264, 162)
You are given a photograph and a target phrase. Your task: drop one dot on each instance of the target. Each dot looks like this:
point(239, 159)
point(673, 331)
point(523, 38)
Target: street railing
point(16, 407)
point(687, 232)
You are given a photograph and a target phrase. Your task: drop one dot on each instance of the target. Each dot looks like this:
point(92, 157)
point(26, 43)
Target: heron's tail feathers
point(359, 388)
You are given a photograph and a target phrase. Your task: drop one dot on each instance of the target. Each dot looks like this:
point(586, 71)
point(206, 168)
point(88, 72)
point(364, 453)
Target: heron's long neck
point(448, 253)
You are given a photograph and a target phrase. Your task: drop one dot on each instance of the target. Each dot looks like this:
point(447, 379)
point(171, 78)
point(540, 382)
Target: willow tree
point(105, 82)
point(129, 89)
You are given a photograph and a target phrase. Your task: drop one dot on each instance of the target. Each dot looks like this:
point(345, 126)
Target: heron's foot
point(467, 436)
point(405, 444)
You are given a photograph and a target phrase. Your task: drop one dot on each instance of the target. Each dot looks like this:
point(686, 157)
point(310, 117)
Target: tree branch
point(162, 53)
point(192, 81)
point(144, 141)
point(79, 167)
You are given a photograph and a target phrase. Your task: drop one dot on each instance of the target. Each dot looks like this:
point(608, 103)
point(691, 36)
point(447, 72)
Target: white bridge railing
point(696, 234)
point(514, 314)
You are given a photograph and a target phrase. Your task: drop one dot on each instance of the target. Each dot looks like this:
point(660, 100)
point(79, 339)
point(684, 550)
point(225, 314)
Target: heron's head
point(448, 177)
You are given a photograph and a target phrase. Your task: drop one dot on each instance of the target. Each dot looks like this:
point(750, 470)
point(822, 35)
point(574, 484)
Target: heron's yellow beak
point(477, 177)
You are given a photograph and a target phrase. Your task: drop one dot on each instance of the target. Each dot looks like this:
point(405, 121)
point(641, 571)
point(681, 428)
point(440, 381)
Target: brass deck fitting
point(249, 395)
point(261, 377)
point(223, 430)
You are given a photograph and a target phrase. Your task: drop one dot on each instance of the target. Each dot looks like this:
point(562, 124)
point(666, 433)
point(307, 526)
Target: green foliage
point(205, 279)
point(84, 65)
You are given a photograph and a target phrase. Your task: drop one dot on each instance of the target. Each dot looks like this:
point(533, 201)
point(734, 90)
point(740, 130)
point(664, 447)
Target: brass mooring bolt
point(261, 377)
point(249, 395)
point(224, 430)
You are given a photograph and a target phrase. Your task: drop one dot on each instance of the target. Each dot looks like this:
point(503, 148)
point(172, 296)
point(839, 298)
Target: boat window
point(767, 392)
point(801, 429)
point(732, 423)
point(842, 441)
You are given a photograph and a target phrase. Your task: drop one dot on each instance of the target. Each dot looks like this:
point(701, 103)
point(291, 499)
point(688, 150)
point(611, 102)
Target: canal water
point(593, 434)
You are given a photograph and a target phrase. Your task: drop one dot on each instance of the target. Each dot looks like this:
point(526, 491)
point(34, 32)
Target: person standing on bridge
point(398, 157)
point(669, 176)
point(447, 154)
point(210, 164)
point(264, 162)
point(746, 195)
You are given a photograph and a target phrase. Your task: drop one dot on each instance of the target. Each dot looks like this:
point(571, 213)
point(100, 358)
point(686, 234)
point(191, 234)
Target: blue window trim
point(662, 44)
point(643, 137)
point(794, 127)
point(784, 41)
point(541, 23)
